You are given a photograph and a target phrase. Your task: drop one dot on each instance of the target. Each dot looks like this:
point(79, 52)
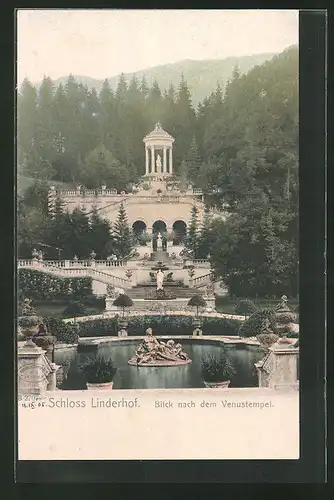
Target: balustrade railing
point(111, 263)
point(201, 262)
point(200, 280)
point(62, 269)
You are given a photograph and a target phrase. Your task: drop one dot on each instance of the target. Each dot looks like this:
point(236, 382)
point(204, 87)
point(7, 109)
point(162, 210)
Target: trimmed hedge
point(161, 325)
point(245, 307)
point(64, 332)
point(74, 309)
point(253, 325)
point(42, 286)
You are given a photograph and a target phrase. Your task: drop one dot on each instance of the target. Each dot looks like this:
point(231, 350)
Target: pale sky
point(104, 43)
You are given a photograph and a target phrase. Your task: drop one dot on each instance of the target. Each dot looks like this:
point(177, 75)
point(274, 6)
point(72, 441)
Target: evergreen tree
point(154, 103)
point(207, 234)
point(101, 167)
point(193, 239)
point(100, 233)
point(26, 120)
point(184, 121)
point(193, 160)
point(122, 235)
point(144, 89)
point(106, 95)
point(121, 89)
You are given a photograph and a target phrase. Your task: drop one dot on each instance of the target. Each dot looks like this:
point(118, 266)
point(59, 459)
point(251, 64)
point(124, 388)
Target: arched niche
point(159, 226)
point(180, 230)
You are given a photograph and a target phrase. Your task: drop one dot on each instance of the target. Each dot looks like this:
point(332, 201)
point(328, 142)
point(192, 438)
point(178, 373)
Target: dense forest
point(240, 143)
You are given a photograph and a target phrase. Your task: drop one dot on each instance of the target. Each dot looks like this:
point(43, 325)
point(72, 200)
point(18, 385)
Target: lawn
point(55, 309)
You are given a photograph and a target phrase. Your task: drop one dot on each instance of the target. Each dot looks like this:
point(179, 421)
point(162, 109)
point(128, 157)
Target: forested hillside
point(240, 142)
point(202, 76)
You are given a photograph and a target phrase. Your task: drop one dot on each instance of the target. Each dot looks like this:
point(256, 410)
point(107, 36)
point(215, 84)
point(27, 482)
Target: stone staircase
point(181, 292)
point(95, 274)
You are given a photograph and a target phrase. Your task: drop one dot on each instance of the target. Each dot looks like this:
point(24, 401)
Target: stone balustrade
point(200, 280)
point(65, 269)
point(201, 262)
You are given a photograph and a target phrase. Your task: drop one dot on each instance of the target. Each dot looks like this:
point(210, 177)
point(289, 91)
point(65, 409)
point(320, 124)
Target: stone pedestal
point(33, 370)
point(52, 377)
point(210, 302)
point(122, 332)
point(278, 369)
point(197, 331)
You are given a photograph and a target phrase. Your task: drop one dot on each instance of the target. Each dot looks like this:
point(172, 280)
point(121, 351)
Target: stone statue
point(159, 241)
point(153, 352)
point(283, 305)
point(158, 163)
point(160, 279)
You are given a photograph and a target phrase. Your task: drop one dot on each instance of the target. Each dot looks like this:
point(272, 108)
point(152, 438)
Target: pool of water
point(185, 376)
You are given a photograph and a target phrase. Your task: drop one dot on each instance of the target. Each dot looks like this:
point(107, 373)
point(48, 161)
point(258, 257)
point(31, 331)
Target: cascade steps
point(141, 292)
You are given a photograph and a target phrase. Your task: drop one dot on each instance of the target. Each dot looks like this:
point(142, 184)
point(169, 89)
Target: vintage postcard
point(157, 236)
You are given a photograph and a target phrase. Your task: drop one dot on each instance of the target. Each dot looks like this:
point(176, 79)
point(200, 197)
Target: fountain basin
point(161, 363)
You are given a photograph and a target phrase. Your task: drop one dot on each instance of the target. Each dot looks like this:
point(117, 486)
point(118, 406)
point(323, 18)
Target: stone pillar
point(278, 369)
point(152, 161)
point(170, 160)
point(33, 370)
point(146, 161)
point(164, 165)
point(52, 377)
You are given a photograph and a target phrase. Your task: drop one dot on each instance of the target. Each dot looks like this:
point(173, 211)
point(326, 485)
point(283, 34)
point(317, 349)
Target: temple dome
point(158, 134)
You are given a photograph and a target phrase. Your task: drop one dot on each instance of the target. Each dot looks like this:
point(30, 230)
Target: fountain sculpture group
point(152, 352)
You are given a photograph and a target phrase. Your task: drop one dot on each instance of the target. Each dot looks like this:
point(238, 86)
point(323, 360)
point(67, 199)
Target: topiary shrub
point(253, 325)
point(123, 301)
point(245, 307)
point(74, 309)
point(197, 301)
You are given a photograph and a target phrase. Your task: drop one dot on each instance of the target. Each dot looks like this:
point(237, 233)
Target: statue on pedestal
point(159, 241)
point(158, 163)
point(160, 278)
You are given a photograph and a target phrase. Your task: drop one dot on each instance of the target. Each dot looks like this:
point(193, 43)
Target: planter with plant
point(99, 373)
point(29, 327)
point(123, 301)
point(217, 371)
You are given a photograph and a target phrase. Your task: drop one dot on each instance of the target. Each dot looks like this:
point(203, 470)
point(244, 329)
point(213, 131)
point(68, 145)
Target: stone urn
point(217, 385)
point(267, 339)
point(29, 327)
point(284, 317)
point(123, 324)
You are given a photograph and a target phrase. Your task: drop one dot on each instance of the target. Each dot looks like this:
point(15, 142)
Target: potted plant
point(99, 373)
point(217, 371)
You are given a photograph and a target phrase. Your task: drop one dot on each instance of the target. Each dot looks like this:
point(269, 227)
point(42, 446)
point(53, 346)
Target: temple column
point(170, 160)
point(152, 161)
point(146, 161)
point(164, 165)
